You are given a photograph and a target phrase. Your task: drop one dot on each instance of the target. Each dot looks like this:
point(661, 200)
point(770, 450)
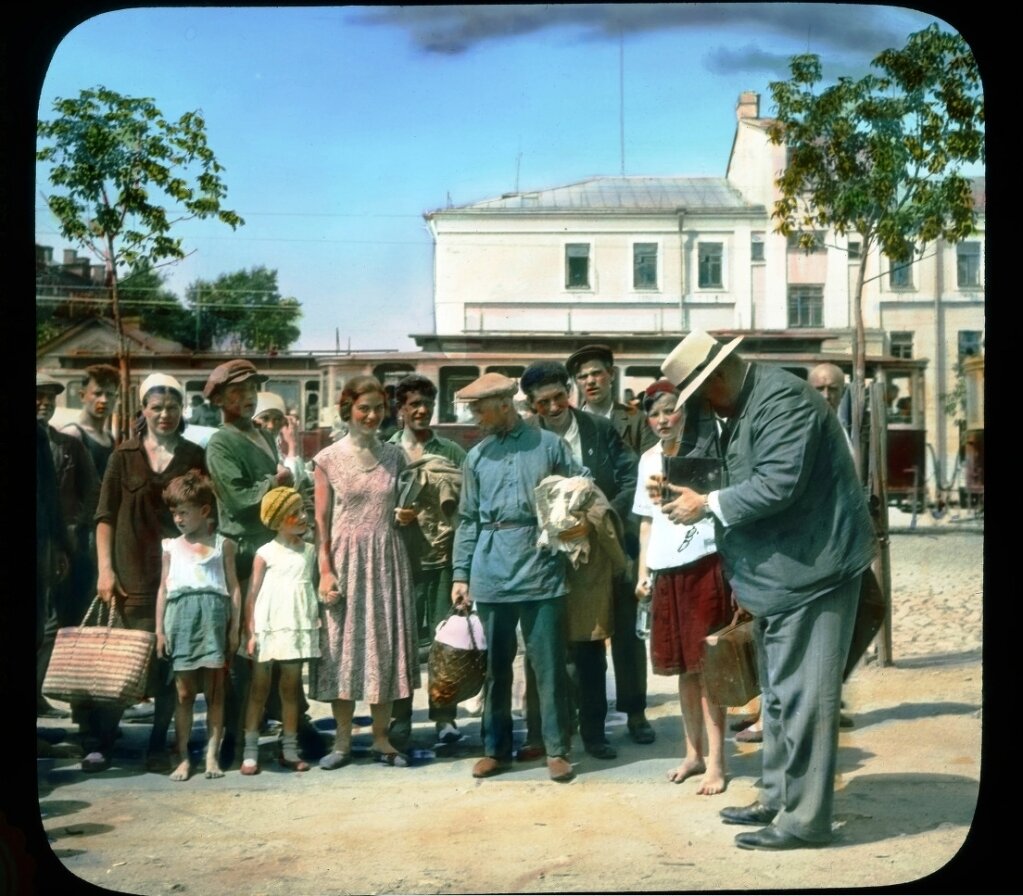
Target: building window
point(854, 250)
point(795, 241)
point(710, 268)
point(644, 265)
point(756, 247)
point(806, 306)
point(969, 344)
point(900, 275)
point(577, 265)
point(902, 345)
point(968, 265)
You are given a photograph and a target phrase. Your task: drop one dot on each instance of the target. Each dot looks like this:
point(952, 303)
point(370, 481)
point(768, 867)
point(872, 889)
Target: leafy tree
point(881, 157)
point(142, 294)
point(246, 308)
point(121, 177)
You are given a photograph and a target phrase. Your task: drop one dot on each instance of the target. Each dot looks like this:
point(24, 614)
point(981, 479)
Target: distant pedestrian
point(197, 614)
point(282, 623)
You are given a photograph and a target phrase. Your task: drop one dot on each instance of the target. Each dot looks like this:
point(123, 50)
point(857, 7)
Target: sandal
point(296, 765)
point(392, 758)
point(335, 759)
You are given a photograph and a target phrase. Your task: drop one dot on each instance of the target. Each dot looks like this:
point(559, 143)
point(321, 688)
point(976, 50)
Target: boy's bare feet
point(687, 769)
point(183, 771)
point(713, 782)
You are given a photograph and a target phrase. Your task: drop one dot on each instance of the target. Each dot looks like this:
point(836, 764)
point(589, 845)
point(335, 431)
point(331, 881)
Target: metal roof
point(620, 194)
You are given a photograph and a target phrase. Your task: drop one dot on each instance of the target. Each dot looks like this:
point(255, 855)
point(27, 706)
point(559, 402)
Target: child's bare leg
point(714, 721)
point(259, 687)
point(184, 713)
point(689, 698)
point(291, 680)
point(214, 683)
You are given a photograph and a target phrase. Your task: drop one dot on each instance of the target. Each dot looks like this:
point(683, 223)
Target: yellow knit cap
point(277, 504)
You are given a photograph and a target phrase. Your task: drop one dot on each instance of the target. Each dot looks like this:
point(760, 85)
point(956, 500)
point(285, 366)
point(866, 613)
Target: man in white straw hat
point(795, 535)
point(512, 582)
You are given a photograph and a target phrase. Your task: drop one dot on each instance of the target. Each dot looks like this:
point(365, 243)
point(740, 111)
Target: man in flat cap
point(243, 464)
point(593, 369)
point(795, 536)
point(511, 581)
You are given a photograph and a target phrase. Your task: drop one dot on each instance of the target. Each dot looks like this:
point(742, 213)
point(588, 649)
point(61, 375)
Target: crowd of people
point(251, 565)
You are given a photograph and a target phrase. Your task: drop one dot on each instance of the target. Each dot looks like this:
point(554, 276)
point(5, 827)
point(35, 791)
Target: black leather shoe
point(640, 730)
point(601, 750)
point(754, 813)
point(771, 838)
point(845, 722)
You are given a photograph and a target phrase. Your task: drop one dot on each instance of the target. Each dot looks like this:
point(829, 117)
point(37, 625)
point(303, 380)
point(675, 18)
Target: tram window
point(511, 371)
point(451, 380)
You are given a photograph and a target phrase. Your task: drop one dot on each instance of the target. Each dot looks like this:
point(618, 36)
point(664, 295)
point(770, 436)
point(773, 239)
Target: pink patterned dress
point(367, 639)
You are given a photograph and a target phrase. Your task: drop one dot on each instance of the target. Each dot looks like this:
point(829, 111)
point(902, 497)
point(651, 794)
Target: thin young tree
point(881, 157)
point(121, 177)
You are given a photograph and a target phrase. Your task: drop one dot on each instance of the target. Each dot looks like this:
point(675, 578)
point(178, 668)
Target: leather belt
point(507, 524)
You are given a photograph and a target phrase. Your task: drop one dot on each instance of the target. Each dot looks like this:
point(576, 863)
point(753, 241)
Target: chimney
point(70, 256)
point(99, 274)
point(748, 105)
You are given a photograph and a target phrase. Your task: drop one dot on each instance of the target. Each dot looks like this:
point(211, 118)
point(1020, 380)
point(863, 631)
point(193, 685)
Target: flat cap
point(600, 352)
point(490, 385)
point(235, 371)
point(46, 383)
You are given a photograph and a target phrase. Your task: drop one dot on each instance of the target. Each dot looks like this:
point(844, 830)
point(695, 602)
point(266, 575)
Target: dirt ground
point(907, 788)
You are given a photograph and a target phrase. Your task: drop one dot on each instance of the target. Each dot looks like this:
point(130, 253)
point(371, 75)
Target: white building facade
point(663, 255)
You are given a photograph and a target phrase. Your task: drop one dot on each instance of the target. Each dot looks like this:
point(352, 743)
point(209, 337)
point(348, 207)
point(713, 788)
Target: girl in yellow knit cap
point(282, 622)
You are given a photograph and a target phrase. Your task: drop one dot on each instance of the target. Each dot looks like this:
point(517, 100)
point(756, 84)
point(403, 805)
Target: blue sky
point(339, 126)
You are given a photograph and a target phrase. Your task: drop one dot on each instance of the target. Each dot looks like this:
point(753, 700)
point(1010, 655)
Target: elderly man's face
point(237, 400)
point(594, 382)
point(417, 411)
point(46, 405)
point(551, 403)
point(830, 384)
point(488, 413)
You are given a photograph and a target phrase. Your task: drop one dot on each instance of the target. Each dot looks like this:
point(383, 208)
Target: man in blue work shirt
point(513, 583)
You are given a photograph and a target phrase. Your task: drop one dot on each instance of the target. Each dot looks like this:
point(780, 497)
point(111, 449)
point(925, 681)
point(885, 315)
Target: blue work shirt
point(498, 478)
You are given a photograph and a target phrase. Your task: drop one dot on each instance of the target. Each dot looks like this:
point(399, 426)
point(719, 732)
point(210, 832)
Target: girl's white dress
point(286, 616)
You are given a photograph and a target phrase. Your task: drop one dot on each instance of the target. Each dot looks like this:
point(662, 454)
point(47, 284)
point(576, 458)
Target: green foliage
point(881, 156)
point(245, 306)
point(115, 161)
point(159, 310)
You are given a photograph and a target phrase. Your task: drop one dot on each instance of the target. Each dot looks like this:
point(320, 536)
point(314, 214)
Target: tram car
point(310, 382)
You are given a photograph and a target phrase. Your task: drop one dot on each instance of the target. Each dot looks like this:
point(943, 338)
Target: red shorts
point(689, 602)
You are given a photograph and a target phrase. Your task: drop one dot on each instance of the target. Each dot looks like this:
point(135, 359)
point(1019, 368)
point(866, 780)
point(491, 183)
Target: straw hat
point(693, 360)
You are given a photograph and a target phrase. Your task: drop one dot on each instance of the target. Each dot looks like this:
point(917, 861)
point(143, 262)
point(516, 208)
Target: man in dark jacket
point(597, 446)
point(795, 536)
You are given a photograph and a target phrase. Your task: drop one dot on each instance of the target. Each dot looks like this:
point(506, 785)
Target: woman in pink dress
point(367, 636)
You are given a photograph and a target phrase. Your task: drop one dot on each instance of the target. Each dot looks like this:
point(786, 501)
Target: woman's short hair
point(193, 487)
point(355, 387)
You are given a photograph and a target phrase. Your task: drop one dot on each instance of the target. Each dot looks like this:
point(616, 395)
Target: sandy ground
point(906, 792)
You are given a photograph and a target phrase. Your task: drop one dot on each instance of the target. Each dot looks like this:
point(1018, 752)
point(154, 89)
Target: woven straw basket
point(455, 674)
point(99, 663)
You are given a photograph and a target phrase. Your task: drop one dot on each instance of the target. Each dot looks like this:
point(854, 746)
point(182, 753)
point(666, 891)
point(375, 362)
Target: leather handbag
point(730, 664)
point(99, 664)
point(457, 663)
point(870, 615)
